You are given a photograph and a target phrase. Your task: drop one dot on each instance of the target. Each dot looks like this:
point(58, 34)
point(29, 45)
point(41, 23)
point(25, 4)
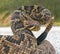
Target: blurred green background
point(8, 6)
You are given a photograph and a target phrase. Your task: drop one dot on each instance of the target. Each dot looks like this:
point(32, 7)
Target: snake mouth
point(30, 26)
point(33, 28)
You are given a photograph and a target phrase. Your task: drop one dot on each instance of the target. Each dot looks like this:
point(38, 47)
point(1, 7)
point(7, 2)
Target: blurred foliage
point(9, 6)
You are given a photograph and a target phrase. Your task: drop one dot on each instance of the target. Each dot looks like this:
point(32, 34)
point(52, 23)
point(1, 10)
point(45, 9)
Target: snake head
point(32, 25)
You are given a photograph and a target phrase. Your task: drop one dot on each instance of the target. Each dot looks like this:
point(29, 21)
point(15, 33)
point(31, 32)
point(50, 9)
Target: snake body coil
point(24, 20)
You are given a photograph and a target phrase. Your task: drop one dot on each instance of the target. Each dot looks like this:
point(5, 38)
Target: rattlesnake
point(24, 20)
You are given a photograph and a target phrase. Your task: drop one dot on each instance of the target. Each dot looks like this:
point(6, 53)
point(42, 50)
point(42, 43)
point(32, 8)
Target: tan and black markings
point(22, 44)
point(32, 17)
point(24, 20)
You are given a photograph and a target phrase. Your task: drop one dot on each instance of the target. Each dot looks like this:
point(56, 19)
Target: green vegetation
point(9, 6)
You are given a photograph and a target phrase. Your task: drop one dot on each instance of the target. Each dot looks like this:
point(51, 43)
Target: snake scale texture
point(24, 20)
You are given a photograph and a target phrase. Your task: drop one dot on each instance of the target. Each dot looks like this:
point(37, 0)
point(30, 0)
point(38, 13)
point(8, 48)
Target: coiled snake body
point(23, 21)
